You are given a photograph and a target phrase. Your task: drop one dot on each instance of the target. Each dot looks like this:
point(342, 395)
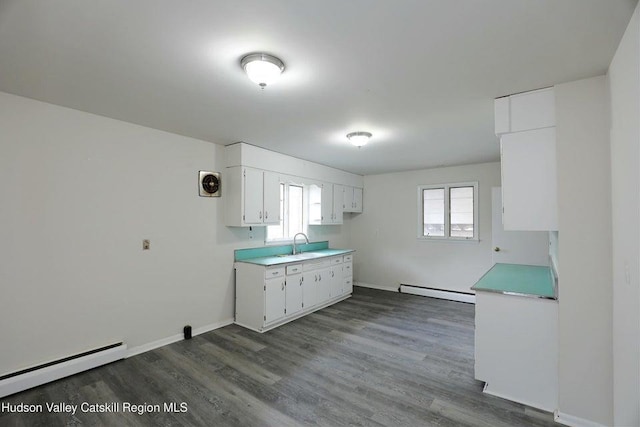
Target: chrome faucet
point(295, 248)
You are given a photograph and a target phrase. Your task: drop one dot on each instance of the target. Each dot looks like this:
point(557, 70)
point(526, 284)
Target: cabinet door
point(309, 285)
point(293, 290)
point(532, 110)
point(357, 200)
point(271, 201)
point(253, 194)
point(338, 200)
point(274, 299)
point(326, 203)
point(529, 184)
point(337, 280)
point(323, 287)
point(347, 199)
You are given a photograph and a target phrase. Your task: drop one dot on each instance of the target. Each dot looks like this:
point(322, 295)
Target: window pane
point(295, 210)
point(277, 231)
point(461, 199)
point(433, 212)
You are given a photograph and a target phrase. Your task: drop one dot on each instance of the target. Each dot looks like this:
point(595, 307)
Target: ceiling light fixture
point(359, 138)
point(262, 68)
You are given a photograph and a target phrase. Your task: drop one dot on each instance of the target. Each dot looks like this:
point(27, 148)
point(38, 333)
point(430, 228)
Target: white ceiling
point(420, 75)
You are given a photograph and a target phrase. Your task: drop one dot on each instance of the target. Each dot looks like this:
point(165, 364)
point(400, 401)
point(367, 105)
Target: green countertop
point(287, 259)
point(517, 279)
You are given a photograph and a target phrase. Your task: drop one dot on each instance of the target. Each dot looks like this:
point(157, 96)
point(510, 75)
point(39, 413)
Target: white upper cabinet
point(352, 199)
point(325, 204)
point(526, 125)
point(525, 111)
point(529, 180)
point(252, 197)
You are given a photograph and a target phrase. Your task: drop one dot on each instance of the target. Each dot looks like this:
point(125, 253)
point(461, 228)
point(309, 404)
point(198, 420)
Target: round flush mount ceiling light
point(262, 68)
point(359, 138)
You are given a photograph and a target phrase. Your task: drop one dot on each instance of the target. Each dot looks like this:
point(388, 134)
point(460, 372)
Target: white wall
point(385, 234)
point(584, 215)
point(79, 193)
point(624, 85)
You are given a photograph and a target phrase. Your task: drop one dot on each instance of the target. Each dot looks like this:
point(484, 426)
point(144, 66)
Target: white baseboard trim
point(435, 293)
point(573, 421)
point(134, 351)
point(379, 287)
point(54, 372)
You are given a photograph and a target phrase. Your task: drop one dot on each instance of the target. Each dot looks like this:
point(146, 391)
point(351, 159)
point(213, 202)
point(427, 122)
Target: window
point(448, 211)
point(292, 219)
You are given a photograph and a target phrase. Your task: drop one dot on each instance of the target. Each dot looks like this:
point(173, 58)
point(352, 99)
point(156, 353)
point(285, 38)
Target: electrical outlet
point(146, 245)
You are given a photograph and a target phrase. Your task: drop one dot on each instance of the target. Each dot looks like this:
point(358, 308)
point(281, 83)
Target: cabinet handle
point(316, 276)
point(496, 249)
point(274, 273)
point(283, 286)
point(301, 281)
point(266, 214)
point(320, 277)
point(260, 214)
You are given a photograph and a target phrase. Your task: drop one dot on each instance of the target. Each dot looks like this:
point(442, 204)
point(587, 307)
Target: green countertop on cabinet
point(517, 279)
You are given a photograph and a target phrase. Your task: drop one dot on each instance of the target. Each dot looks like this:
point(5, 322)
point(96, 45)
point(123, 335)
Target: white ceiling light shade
point(359, 138)
point(262, 68)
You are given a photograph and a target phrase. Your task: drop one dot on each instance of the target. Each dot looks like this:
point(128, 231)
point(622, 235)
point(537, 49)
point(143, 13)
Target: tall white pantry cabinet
point(525, 124)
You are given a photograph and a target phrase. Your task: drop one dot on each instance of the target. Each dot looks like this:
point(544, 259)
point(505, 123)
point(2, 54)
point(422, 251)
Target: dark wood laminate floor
point(376, 359)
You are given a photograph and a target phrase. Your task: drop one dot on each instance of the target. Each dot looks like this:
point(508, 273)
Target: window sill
point(447, 240)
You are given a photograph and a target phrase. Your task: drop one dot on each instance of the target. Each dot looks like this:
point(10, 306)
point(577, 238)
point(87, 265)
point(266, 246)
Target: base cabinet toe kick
point(270, 296)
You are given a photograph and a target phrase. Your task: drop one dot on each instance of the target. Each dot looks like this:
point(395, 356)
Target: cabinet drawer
point(315, 265)
point(336, 260)
point(272, 272)
point(294, 269)
point(347, 285)
point(347, 269)
point(347, 258)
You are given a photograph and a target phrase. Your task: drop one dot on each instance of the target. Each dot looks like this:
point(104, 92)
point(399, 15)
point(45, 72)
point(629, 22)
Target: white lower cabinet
point(336, 278)
point(294, 291)
point(267, 297)
point(274, 299)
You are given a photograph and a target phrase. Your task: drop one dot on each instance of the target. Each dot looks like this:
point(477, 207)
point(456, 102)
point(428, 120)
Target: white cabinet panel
point(336, 205)
point(502, 119)
point(352, 200)
point(516, 348)
point(357, 200)
point(529, 180)
point(293, 294)
point(252, 197)
point(325, 204)
point(253, 193)
point(274, 299)
point(532, 110)
point(309, 285)
point(525, 111)
point(271, 198)
point(323, 286)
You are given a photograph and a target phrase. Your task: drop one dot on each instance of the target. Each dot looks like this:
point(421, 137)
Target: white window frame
point(447, 213)
point(285, 217)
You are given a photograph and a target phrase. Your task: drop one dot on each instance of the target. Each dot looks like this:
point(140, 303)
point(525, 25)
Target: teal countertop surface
point(274, 255)
point(517, 279)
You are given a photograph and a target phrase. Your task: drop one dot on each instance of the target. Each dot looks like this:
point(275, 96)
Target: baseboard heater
point(438, 293)
point(51, 371)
